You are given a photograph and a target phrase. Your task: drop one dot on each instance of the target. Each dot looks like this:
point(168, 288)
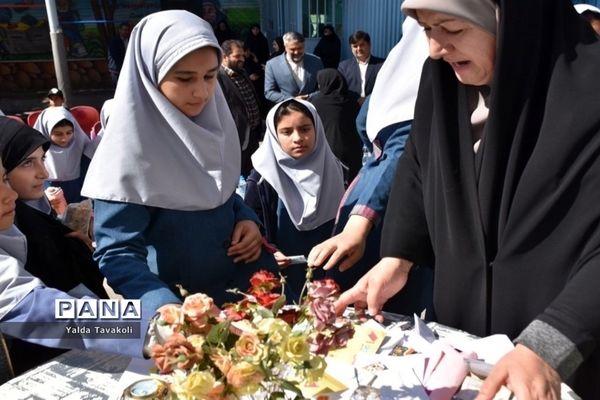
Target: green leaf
point(277, 396)
point(218, 333)
point(287, 385)
point(278, 304)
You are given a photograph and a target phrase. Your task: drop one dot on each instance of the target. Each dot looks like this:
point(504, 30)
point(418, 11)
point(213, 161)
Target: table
point(90, 375)
point(74, 375)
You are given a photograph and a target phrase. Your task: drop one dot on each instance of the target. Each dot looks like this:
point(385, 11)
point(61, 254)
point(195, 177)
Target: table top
point(92, 375)
point(76, 374)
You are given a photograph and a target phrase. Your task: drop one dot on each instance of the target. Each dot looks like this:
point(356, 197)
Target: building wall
point(382, 19)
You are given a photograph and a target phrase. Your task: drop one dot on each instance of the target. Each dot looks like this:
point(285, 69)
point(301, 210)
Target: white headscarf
point(151, 153)
point(395, 91)
point(63, 163)
point(310, 187)
point(15, 282)
point(581, 8)
point(105, 115)
point(478, 12)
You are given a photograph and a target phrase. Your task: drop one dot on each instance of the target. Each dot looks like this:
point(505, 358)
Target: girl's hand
point(345, 248)
point(84, 238)
point(282, 260)
point(246, 242)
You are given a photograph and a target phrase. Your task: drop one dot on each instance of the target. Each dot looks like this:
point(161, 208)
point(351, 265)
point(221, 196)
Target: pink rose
point(323, 288)
point(198, 306)
point(323, 311)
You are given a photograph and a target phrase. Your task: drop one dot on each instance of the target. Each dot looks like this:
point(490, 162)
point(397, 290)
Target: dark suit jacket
point(281, 85)
point(349, 68)
point(249, 136)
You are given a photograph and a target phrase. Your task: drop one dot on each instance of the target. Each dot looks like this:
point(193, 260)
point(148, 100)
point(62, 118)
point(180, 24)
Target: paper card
point(393, 338)
point(338, 377)
point(367, 337)
point(492, 348)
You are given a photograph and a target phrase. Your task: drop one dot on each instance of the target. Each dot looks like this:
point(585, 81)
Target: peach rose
point(222, 360)
point(244, 377)
point(176, 352)
point(249, 346)
point(171, 314)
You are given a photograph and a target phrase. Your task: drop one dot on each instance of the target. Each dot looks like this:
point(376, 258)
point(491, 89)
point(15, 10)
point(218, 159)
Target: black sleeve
point(405, 234)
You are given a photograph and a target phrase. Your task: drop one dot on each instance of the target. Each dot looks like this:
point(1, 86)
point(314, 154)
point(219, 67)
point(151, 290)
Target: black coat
point(60, 262)
point(338, 109)
point(514, 231)
point(329, 50)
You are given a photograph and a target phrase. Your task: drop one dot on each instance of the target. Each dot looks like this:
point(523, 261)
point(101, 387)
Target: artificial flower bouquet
point(257, 345)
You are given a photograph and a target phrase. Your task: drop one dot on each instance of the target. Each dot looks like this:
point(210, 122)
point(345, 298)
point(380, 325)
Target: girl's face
point(27, 178)
point(469, 49)
point(7, 201)
point(275, 46)
point(296, 134)
point(62, 136)
point(190, 84)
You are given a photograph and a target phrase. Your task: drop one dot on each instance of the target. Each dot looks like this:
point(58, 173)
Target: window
point(317, 13)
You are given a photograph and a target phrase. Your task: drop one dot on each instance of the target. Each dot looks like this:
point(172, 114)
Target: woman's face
point(27, 178)
point(469, 49)
point(275, 46)
point(7, 201)
point(190, 84)
point(296, 134)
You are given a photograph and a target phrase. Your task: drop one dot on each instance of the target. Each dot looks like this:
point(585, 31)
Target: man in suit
point(242, 100)
point(293, 73)
point(361, 70)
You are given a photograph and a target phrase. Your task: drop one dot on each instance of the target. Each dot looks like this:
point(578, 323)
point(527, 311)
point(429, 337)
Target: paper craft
point(443, 372)
point(367, 337)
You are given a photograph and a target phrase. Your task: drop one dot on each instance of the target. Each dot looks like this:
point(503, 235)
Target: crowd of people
point(475, 203)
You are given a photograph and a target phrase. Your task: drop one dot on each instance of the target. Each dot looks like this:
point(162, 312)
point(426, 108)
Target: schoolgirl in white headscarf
point(27, 306)
point(64, 162)
point(297, 182)
point(311, 186)
point(164, 174)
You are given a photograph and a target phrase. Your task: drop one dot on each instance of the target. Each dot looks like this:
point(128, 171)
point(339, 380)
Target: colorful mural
point(88, 26)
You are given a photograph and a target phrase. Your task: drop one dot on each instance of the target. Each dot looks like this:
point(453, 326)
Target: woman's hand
point(246, 242)
point(282, 260)
point(347, 246)
point(84, 238)
point(382, 281)
point(525, 374)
